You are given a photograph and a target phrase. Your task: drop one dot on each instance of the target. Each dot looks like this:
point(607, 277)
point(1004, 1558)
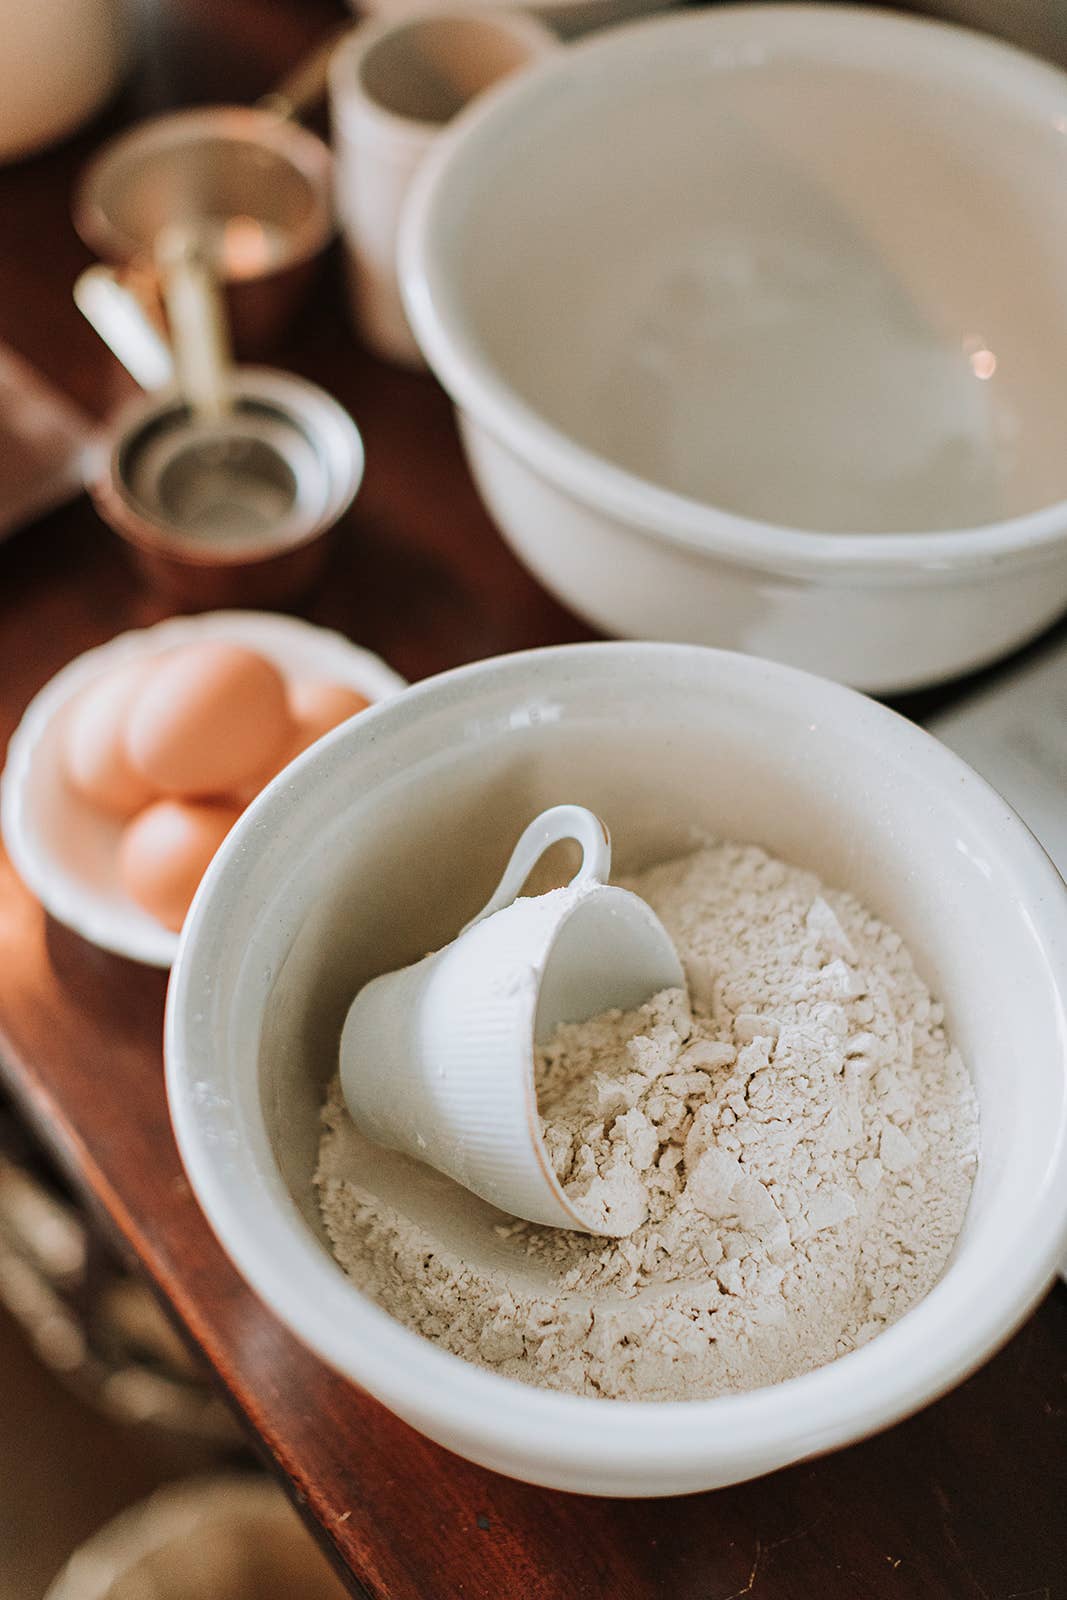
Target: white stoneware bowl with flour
point(754, 319)
point(382, 841)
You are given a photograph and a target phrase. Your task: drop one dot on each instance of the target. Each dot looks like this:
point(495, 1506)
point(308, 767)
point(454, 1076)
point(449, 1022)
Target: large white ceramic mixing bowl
point(381, 842)
point(756, 321)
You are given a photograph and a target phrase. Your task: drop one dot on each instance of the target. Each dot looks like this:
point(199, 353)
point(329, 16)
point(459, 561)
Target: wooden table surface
point(965, 1500)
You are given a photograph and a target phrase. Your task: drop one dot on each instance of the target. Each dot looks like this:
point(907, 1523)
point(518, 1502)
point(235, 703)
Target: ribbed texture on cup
point(438, 1060)
point(479, 1007)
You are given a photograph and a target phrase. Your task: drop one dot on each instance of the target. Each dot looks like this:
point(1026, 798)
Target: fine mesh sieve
point(207, 501)
point(253, 476)
point(280, 465)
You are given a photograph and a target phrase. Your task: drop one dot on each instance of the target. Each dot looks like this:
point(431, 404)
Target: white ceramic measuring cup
point(437, 1060)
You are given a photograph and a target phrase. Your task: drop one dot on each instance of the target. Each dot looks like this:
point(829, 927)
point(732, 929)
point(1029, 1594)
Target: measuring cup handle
point(560, 822)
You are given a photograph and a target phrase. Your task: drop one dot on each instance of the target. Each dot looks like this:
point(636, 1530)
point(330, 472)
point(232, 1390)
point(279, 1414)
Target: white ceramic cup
point(394, 86)
point(437, 1060)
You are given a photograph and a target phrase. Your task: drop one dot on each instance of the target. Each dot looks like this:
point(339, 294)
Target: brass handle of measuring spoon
point(199, 328)
point(305, 86)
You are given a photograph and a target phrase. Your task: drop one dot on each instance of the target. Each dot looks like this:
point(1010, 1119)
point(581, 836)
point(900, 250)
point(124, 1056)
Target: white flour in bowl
point(791, 1151)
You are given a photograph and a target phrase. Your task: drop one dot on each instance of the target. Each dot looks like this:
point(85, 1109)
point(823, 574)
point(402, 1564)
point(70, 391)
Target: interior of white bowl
point(381, 843)
point(801, 264)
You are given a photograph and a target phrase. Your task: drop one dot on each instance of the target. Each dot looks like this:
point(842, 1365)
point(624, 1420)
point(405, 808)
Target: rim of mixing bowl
point(288, 141)
point(566, 1440)
point(480, 389)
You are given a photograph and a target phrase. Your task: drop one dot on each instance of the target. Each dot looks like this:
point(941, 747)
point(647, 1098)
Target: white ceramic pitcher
point(437, 1060)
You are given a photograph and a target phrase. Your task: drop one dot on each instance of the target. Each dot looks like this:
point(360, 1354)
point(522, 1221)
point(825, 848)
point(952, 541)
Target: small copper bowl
point(257, 187)
point(237, 513)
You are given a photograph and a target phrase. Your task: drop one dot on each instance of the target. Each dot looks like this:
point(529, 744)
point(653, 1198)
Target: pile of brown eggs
point(177, 746)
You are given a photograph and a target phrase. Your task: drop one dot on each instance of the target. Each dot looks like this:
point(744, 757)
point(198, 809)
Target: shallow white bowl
point(214, 1538)
point(388, 835)
point(62, 847)
point(755, 319)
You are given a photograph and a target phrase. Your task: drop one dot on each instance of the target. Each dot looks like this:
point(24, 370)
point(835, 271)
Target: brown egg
point(210, 716)
point(315, 708)
point(95, 755)
point(165, 851)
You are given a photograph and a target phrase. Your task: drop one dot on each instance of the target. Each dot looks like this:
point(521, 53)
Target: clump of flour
point(788, 1152)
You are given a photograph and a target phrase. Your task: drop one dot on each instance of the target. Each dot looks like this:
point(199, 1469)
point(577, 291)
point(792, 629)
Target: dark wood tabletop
point(963, 1501)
